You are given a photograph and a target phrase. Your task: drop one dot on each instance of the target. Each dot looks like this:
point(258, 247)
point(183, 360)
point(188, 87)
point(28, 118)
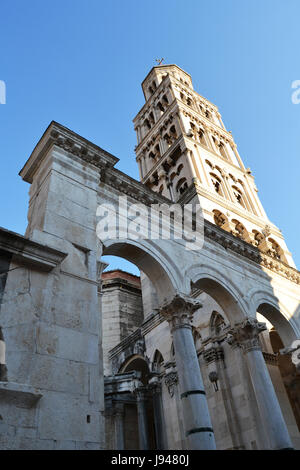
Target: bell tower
point(185, 153)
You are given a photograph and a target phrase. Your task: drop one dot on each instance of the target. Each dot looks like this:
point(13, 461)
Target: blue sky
point(81, 63)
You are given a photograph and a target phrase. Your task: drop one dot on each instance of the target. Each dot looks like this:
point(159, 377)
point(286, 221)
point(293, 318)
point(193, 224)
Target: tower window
point(239, 196)
point(217, 183)
point(223, 151)
point(181, 185)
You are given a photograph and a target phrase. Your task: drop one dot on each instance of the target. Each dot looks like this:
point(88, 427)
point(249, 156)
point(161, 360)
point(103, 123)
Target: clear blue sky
point(81, 62)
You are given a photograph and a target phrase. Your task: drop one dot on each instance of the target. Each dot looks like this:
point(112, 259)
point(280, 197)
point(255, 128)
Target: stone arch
point(152, 260)
point(139, 363)
point(216, 323)
point(272, 309)
point(157, 361)
point(221, 289)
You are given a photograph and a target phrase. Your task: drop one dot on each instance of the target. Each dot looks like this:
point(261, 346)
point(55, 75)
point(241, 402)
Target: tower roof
point(164, 66)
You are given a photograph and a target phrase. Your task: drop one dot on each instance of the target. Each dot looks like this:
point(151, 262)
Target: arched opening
point(239, 196)
point(275, 250)
point(217, 184)
point(283, 373)
point(227, 296)
point(217, 324)
point(158, 362)
point(221, 220)
point(150, 259)
point(131, 422)
point(240, 231)
point(181, 185)
point(223, 151)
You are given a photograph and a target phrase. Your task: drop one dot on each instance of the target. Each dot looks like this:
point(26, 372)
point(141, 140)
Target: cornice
point(245, 249)
point(62, 137)
point(131, 187)
point(29, 252)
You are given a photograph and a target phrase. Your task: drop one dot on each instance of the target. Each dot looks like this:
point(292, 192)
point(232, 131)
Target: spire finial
point(159, 61)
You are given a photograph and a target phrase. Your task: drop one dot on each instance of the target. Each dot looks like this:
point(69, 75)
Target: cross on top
point(159, 61)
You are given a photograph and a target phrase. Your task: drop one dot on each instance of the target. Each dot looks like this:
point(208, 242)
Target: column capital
point(246, 334)
point(179, 311)
point(171, 381)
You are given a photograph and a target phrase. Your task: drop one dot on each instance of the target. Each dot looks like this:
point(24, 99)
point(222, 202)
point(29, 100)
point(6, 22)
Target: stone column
point(142, 418)
point(197, 421)
point(246, 334)
point(119, 426)
point(159, 424)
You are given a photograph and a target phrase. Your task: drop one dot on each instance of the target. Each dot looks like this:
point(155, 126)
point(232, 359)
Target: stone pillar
point(246, 334)
point(119, 426)
point(159, 424)
point(197, 421)
point(142, 419)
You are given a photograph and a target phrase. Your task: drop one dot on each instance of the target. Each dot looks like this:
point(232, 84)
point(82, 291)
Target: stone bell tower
point(185, 153)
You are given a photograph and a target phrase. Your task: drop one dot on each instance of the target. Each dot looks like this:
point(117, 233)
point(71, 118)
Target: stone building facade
point(197, 353)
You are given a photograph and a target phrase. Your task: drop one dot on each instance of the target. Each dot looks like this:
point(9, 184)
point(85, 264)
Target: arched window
point(220, 219)
point(165, 99)
point(275, 250)
point(181, 185)
point(160, 107)
point(202, 138)
point(218, 184)
point(207, 114)
point(173, 132)
point(223, 151)
point(240, 231)
point(217, 323)
point(151, 118)
point(158, 362)
point(239, 196)
point(179, 168)
point(157, 152)
point(172, 176)
point(258, 237)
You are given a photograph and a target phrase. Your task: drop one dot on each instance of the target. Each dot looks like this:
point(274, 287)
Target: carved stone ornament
point(171, 380)
point(246, 334)
point(179, 312)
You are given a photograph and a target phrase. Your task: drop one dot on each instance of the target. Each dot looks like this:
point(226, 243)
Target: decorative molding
point(171, 381)
point(29, 252)
point(179, 311)
point(246, 334)
point(69, 141)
